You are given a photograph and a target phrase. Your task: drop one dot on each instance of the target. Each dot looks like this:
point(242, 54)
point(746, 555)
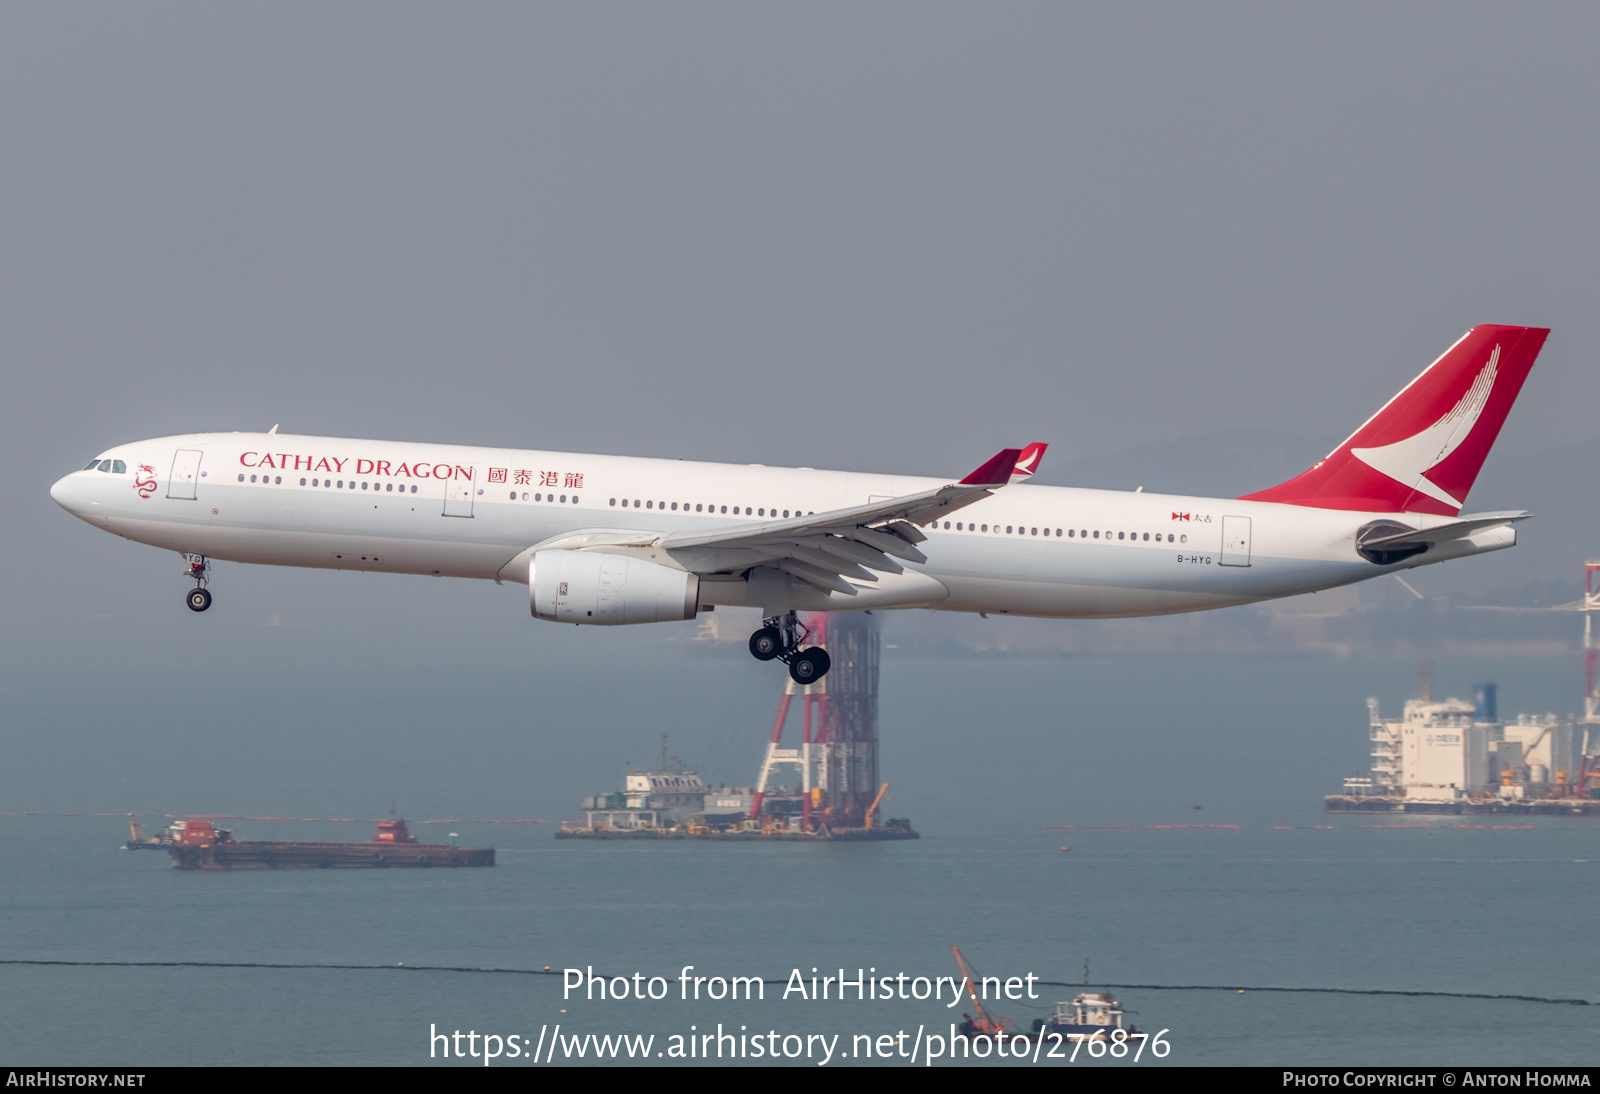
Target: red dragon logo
point(144, 480)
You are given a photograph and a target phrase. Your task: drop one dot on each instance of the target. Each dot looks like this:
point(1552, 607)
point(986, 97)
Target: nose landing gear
point(780, 637)
point(199, 598)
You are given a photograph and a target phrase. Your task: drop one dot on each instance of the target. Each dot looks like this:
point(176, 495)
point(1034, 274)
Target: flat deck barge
point(198, 845)
point(1534, 807)
point(893, 830)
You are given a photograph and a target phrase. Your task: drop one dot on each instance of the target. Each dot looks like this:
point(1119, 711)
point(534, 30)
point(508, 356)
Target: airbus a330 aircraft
point(616, 539)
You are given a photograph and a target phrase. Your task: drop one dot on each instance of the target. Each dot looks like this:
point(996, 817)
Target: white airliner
point(617, 539)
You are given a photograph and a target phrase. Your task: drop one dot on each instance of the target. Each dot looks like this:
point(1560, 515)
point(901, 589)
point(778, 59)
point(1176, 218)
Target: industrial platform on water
point(838, 795)
point(200, 845)
point(1455, 756)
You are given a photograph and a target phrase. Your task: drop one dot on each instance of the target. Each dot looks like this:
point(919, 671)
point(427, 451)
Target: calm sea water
point(989, 759)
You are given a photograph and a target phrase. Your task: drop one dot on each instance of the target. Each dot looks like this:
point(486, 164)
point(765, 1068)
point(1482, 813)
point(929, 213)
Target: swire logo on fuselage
point(335, 465)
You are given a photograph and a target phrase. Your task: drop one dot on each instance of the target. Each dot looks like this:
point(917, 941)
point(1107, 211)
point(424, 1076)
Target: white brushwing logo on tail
point(1028, 461)
point(1408, 462)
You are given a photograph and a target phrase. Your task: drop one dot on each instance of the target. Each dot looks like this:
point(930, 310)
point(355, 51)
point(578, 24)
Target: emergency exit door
point(1235, 541)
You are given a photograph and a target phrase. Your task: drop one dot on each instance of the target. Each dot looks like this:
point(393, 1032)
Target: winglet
point(997, 472)
point(1028, 462)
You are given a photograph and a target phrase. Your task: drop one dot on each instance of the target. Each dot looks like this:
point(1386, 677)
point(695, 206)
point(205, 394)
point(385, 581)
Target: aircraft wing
point(821, 549)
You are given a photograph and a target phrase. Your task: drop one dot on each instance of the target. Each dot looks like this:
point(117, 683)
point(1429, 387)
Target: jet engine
point(588, 587)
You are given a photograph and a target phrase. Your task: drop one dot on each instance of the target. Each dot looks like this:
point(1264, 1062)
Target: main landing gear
point(780, 637)
point(199, 599)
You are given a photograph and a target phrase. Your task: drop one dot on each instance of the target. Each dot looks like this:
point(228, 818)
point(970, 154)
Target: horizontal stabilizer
point(1461, 529)
point(1386, 542)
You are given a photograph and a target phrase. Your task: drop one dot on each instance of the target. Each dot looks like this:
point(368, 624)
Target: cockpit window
point(118, 467)
point(94, 463)
point(105, 465)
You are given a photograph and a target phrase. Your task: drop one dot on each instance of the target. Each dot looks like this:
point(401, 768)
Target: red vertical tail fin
point(1422, 452)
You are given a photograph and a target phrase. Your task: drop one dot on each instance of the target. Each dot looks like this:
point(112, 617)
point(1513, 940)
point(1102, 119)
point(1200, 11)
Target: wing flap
point(815, 575)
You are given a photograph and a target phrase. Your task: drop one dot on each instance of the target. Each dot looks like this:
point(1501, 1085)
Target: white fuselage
point(458, 511)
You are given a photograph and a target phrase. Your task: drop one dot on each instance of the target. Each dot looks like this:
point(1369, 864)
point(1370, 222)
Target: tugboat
point(1089, 1013)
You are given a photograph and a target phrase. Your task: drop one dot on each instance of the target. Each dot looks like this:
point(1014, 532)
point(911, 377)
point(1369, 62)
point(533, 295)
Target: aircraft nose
point(65, 493)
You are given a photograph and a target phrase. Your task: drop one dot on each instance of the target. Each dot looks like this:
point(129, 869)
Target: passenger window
point(724, 508)
point(1069, 533)
point(564, 498)
point(278, 479)
point(363, 486)
point(697, 508)
point(414, 490)
point(252, 478)
point(1183, 539)
point(649, 505)
point(1058, 533)
point(1169, 538)
point(302, 482)
point(674, 507)
point(341, 484)
point(1119, 535)
point(1008, 529)
point(387, 487)
point(241, 478)
point(118, 467)
point(985, 528)
point(1147, 536)
point(524, 493)
point(1097, 534)
point(786, 513)
point(761, 512)
point(613, 503)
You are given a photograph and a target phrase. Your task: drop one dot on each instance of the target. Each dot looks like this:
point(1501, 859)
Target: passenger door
point(185, 474)
point(1235, 541)
point(458, 494)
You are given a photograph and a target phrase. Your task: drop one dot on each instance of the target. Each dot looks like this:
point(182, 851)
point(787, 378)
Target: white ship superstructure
point(1452, 749)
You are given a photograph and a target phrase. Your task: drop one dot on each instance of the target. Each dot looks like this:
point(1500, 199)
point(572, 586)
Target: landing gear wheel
point(808, 666)
point(199, 600)
point(766, 644)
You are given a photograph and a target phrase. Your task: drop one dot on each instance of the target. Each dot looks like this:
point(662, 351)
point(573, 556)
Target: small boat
point(1087, 1014)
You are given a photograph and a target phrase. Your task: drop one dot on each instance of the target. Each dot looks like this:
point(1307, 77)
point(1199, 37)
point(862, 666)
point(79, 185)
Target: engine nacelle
point(588, 587)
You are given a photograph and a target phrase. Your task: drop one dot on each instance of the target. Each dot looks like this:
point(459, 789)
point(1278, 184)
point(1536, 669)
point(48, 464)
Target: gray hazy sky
point(887, 236)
